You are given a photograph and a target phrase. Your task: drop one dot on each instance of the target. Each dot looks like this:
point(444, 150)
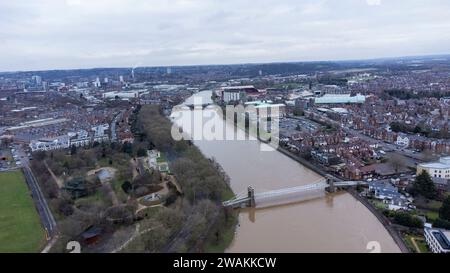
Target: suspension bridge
point(254, 199)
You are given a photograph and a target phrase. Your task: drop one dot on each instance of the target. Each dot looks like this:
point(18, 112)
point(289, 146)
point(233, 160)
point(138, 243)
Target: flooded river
point(334, 223)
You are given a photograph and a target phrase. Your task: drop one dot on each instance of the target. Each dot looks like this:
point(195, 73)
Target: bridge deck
point(281, 192)
point(310, 188)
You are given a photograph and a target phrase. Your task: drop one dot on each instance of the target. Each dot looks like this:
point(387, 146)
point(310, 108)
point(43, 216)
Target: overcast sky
point(56, 34)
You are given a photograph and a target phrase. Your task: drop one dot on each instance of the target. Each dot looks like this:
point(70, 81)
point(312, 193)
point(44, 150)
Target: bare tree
point(428, 155)
point(397, 162)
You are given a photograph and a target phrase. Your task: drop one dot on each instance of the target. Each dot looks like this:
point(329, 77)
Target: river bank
point(334, 224)
point(203, 224)
point(381, 218)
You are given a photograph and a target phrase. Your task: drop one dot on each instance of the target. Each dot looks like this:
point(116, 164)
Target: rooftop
point(238, 87)
point(340, 98)
point(443, 163)
point(443, 237)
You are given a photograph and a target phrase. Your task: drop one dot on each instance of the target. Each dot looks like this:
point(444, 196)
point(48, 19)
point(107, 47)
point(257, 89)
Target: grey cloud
point(45, 34)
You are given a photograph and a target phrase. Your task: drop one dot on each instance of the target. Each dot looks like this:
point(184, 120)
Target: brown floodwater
point(332, 223)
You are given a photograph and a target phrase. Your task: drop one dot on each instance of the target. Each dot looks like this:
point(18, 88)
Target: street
point(47, 219)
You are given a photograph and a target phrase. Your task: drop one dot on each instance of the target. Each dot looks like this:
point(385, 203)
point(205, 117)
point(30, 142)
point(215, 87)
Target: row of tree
point(203, 185)
point(404, 94)
point(421, 129)
point(424, 186)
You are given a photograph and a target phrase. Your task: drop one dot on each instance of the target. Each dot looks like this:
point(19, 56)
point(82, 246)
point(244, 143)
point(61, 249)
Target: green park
point(20, 227)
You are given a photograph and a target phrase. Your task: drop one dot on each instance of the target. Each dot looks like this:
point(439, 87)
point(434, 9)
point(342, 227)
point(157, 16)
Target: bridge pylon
point(331, 186)
point(251, 197)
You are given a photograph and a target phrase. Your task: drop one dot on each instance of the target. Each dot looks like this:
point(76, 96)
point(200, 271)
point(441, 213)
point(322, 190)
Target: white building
point(37, 80)
point(402, 140)
point(61, 142)
point(236, 93)
point(121, 95)
point(340, 99)
point(153, 156)
point(79, 139)
point(99, 133)
point(124, 95)
point(266, 108)
point(439, 169)
point(438, 240)
point(300, 95)
point(231, 96)
point(97, 83)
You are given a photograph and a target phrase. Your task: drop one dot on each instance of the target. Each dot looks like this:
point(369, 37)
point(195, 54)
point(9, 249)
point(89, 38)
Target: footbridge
point(191, 107)
point(198, 106)
point(253, 199)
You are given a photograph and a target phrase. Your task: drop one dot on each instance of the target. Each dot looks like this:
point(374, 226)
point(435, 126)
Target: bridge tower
point(251, 197)
point(331, 187)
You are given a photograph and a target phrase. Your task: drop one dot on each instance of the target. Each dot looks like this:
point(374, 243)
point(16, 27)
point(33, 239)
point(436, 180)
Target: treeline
point(206, 223)
point(444, 215)
point(152, 126)
point(404, 94)
point(329, 80)
point(197, 175)
point(404, 219)
point(194, 223)
point(421, 129)
point(424, 186)
point(189, 228)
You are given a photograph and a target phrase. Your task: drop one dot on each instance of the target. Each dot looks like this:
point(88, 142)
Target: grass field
point(431, 215)
point(379, 205)
point(20, 227)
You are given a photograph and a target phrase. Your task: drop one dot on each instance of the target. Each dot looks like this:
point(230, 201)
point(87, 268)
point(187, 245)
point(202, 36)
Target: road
point(47, 219)
point(113, 126)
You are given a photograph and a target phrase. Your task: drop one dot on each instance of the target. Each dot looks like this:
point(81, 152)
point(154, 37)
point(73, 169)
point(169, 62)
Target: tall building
point(37, 80)
point(97, 83)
